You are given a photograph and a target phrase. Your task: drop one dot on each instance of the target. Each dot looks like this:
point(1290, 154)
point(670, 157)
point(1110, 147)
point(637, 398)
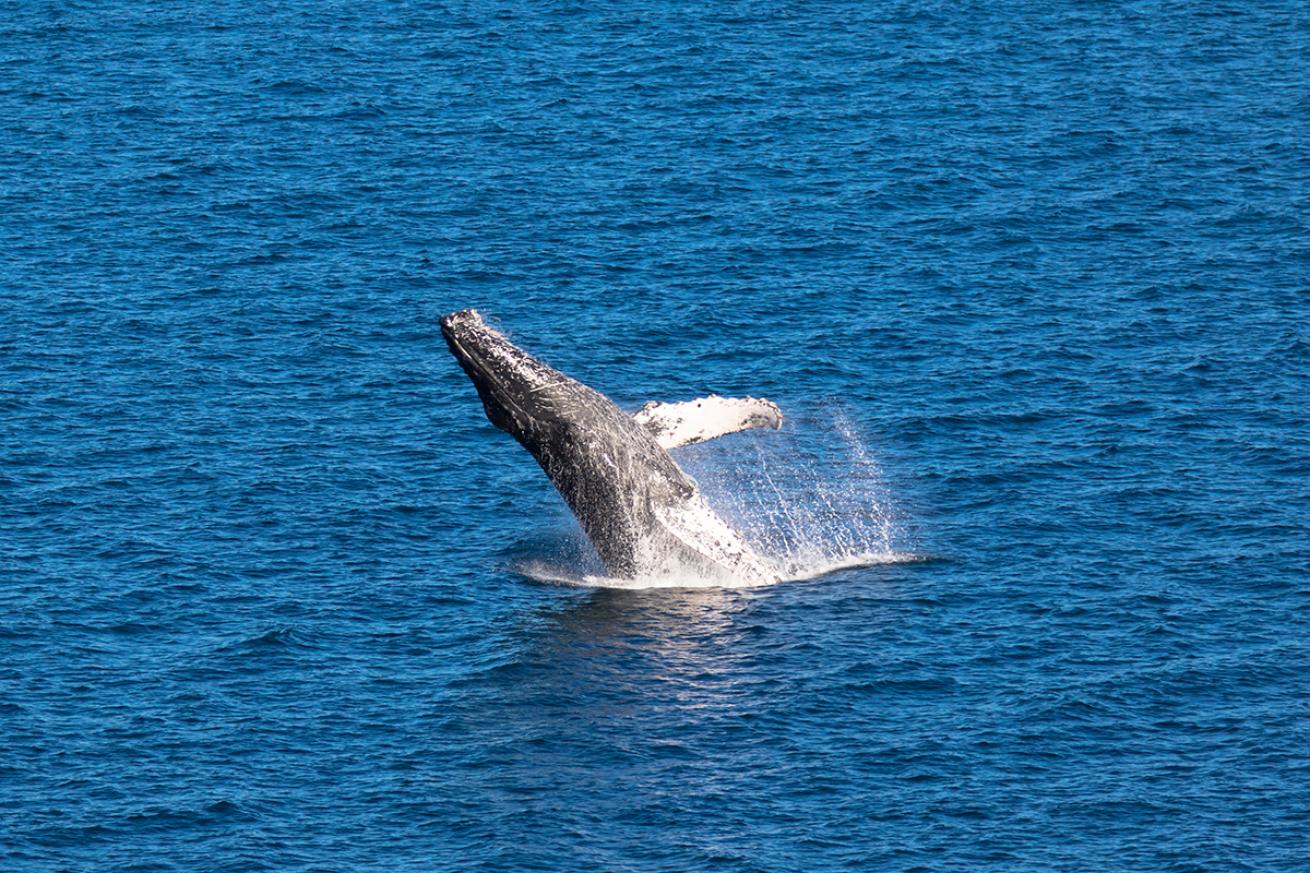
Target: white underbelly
point(689, 532)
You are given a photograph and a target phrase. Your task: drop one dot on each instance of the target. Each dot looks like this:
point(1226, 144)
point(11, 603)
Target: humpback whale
point(642, 513)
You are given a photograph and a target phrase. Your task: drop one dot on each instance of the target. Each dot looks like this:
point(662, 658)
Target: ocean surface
point(1031, 283)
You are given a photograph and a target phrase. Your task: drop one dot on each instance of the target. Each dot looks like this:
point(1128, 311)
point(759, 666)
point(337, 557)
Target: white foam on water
point(810, 499)
point(542, 571)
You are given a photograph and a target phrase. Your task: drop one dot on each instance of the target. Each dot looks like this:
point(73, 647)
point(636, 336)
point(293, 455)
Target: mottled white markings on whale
point(694, 421)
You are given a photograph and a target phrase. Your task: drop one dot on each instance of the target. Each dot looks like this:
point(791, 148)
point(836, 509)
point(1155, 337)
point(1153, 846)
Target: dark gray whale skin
point(608, 468)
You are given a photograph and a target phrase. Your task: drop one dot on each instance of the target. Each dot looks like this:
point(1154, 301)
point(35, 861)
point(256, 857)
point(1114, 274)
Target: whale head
point(520, 394)
point(609, 469)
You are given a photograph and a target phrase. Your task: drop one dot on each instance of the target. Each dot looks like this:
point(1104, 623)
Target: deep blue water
point(259, 606)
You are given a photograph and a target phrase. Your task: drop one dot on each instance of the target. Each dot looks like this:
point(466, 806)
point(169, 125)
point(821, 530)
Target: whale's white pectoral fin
point(681, 424)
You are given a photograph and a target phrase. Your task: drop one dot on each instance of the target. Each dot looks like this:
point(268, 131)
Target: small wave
point(275, 639)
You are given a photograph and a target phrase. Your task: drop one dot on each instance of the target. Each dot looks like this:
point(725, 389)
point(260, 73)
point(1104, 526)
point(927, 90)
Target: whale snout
point(519, 392)
point(490, 359)
point(464, 318)
point(466, 334)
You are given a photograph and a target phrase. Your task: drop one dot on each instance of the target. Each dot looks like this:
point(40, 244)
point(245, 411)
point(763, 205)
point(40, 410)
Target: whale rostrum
point(643, 514)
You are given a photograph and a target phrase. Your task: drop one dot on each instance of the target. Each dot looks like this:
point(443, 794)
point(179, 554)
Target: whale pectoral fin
point(694, 421)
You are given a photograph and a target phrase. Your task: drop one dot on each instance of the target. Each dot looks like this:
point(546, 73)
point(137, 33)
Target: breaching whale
point(642, 513)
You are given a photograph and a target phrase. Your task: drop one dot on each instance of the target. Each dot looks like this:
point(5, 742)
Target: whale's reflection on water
point(659, 649)
point(651, 706)
point(618, 666)
point(654, 621)
point(657, 644)
point(652, 682)
point(640, 680)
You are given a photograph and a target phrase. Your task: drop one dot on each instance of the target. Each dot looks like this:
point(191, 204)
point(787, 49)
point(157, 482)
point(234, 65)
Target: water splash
point(811, 499)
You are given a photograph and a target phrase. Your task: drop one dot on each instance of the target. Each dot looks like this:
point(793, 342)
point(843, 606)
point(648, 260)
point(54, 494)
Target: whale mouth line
point(458, 347)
